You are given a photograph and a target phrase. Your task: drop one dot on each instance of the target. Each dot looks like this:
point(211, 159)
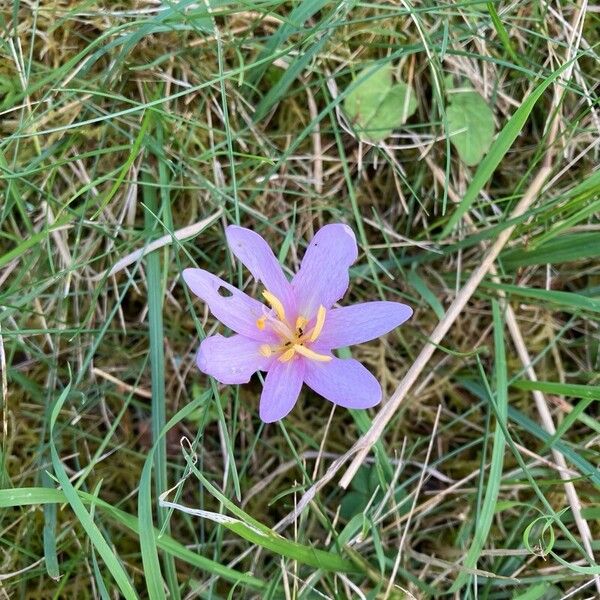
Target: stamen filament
point(287, 355)
point(309, 354)
point(316, 332)
point(275, 303)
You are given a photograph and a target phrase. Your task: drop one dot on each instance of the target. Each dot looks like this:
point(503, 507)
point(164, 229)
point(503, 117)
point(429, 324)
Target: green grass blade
point(570, 454)
point(32, 496)
point(591, 392)
point(565, 248)
point(49, 535)
point(154, 581)
point(502, 33)
point(96, 538)
point(498, 150)
point(252, 530)
point(570, 300)
point(492, 489)
point(135, 150)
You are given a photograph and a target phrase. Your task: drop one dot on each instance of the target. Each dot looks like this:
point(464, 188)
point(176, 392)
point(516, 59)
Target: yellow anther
point(287, 355)
point(275, 303)
point(301, 323)
point(260, 323)
point(266, 350)
point(316, 332)
point(310, 354)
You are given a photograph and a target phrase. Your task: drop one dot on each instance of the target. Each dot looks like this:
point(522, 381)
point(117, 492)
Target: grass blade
point(32, 496)
point(498, 150)
point(96, 538)
point(492, 489)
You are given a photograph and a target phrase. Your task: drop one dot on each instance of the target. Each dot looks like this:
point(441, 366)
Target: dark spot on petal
point(224, 292)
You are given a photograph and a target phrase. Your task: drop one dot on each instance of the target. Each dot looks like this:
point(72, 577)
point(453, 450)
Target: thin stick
point(364, 444)
point(548, 424)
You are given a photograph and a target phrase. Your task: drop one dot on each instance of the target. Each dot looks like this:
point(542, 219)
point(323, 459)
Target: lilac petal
point(233, 308)
point(361, 322)
point(343, 381)
point(323, 276)
point(257, 256)
point(281, 390)
point(231, 359)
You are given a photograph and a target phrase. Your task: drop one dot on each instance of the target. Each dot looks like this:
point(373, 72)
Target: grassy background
point(124, 122)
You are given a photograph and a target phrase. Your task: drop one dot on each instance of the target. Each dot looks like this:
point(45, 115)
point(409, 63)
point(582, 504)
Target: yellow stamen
point(275, 303)
point(260, 323)
point(316, 332)
point(310, 354)
point(301, 323)
point(266, 350)
point(287, 355)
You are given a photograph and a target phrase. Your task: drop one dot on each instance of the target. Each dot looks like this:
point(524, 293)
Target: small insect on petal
point(319, 324)
point(260, 323)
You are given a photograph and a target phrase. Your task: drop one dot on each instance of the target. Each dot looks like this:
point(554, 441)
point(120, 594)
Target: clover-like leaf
point(377, 105)
point(470, 126)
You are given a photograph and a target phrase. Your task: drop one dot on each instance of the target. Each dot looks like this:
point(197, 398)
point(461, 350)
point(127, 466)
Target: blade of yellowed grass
point(34, 496)
point(113, 564)
point(492, 487)
point(582, 464)
point(548, 424)
point(185, 233)
point(363, 445)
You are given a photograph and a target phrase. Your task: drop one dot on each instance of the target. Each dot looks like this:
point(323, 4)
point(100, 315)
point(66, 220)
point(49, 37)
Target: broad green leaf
point(470, 126)
point(376, 106)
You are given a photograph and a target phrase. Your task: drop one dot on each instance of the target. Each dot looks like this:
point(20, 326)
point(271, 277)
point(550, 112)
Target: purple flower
point(292, 338)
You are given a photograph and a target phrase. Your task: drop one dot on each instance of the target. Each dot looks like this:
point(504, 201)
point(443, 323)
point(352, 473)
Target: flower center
point(293, 340)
